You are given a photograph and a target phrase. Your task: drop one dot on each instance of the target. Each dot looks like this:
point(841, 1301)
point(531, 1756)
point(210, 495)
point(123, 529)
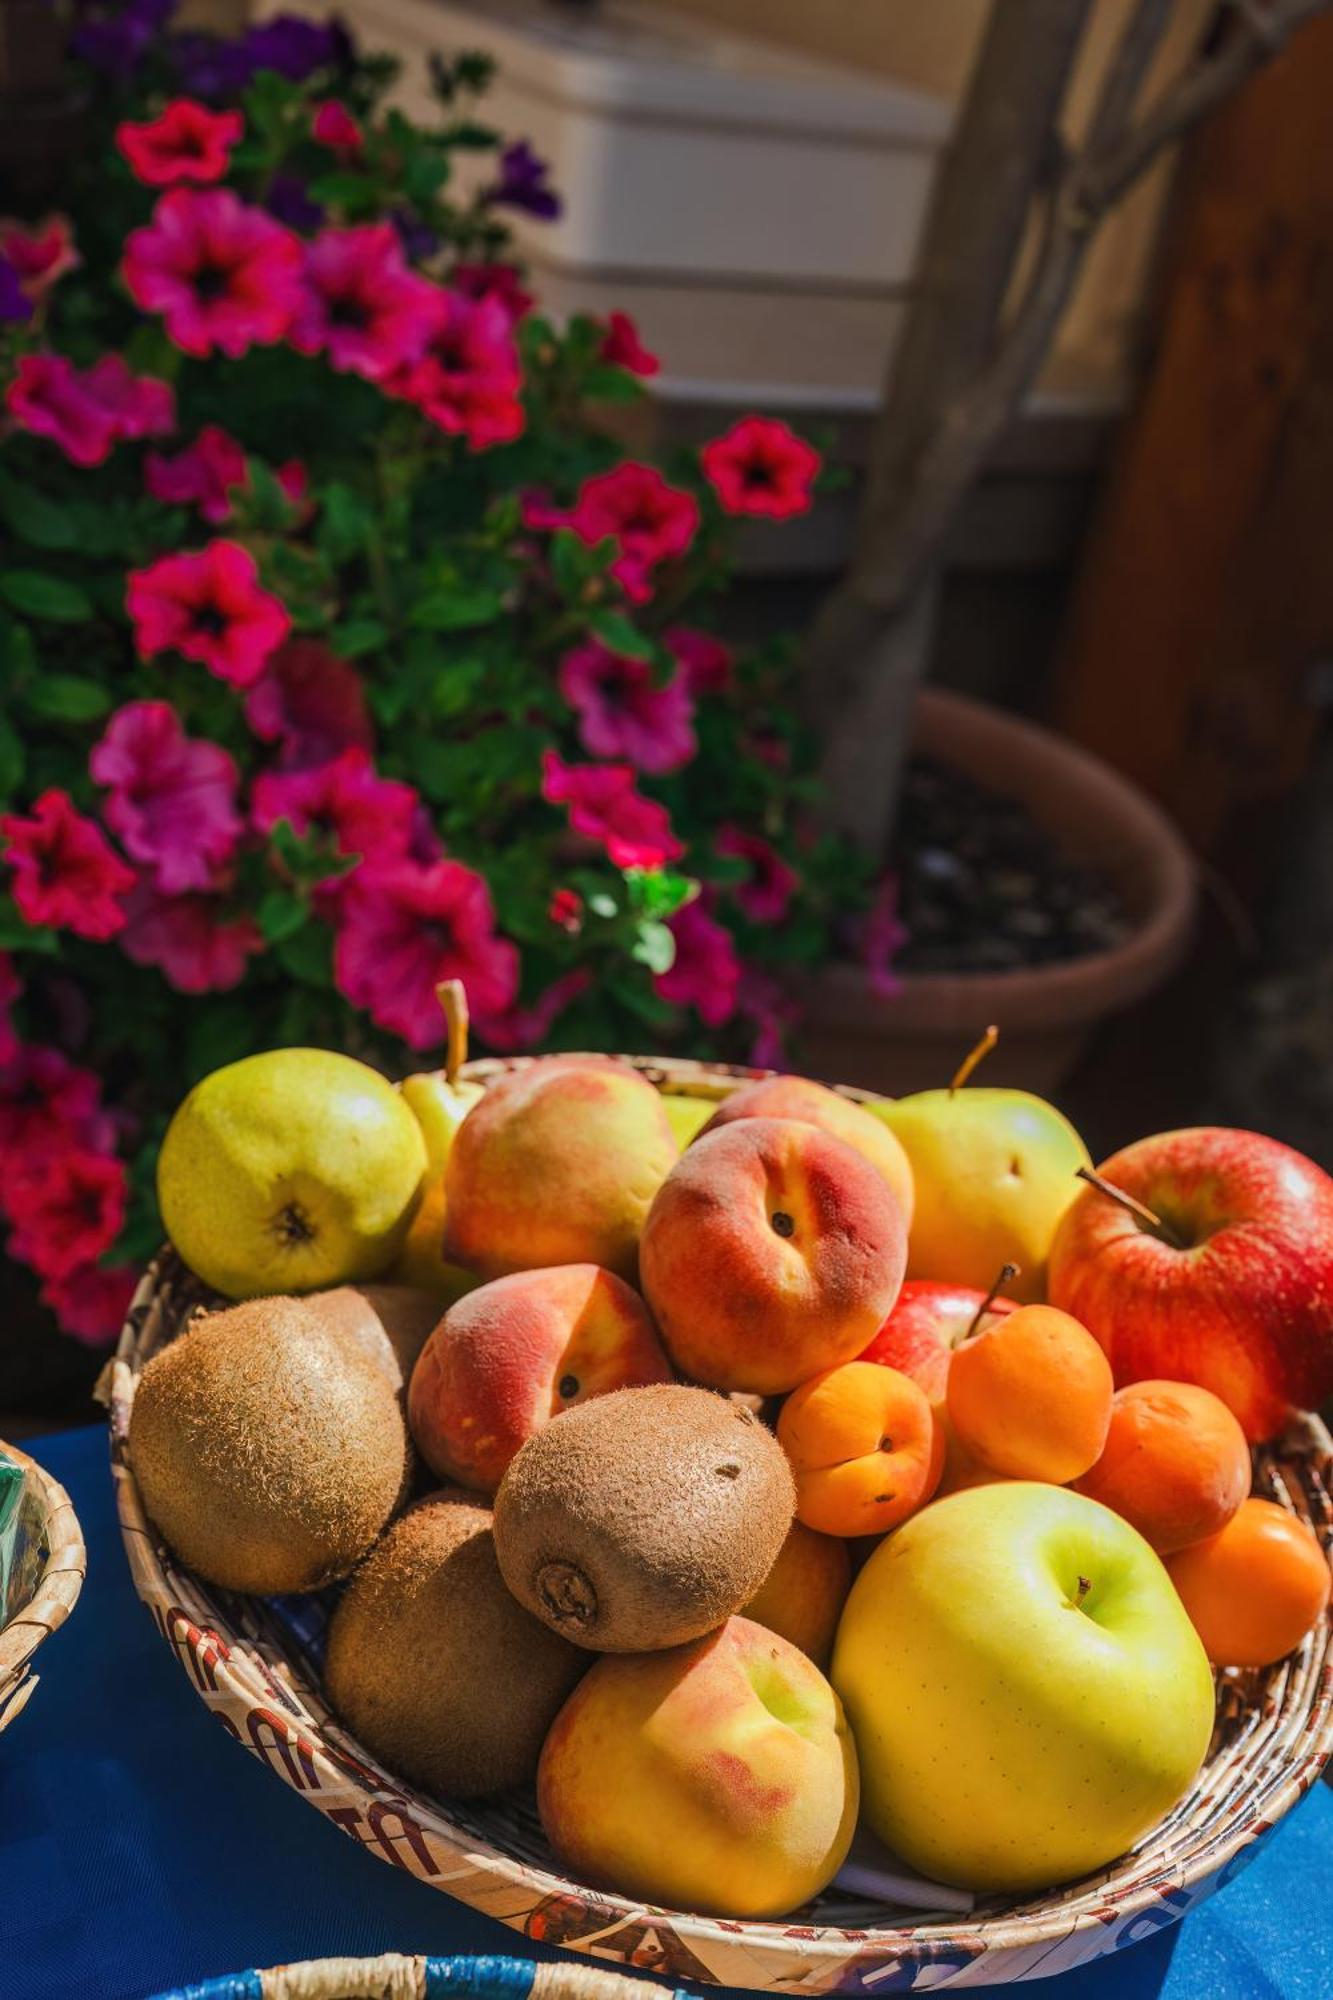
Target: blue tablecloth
point(140, 1847)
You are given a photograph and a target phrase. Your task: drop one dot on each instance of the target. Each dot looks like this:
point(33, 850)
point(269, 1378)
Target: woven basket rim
point(1176, 1856)
point(58, 1585)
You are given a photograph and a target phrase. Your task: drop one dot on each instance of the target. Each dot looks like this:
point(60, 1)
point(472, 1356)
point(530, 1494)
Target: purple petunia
point(524, 183)
point(289, 201)
point(116, 40)
point(14, 303)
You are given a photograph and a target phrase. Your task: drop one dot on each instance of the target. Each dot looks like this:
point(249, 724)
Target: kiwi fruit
point(389, 1323)
point(432, 1664)
point(269, 1451)
point(643, 1518)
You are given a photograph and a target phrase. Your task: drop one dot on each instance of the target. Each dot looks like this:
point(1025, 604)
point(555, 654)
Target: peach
point(815, 1104)
point(719, 1776)
point(1031, 1395)
point(864, 1447)
point(802, 1597)
point(1175, 1464)
point(1255, 1588)
point(772, 1251)
point(514, 1354)
point(960, 1469)
point(558, 1164)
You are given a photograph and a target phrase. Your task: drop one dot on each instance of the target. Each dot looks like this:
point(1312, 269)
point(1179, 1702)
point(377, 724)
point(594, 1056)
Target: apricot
point(1254, 1589)
point(1031, 1396)
point(802, 1597)
point(815, 1104)
point(864, 1447)
point(1175, 1464)
point(772, 1251)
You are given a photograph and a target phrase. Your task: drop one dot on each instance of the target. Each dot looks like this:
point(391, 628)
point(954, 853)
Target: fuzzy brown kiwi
point(432, 1664)
point(643, 1518)
point(267, 1449)
point(389, 1323)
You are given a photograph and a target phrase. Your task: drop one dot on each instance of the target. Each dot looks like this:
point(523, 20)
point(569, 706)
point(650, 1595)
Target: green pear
point(994, 1171)
point(290, 1171)
point(440, 1100)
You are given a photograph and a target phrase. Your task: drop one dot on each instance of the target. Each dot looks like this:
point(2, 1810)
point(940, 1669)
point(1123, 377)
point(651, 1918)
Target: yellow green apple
point(1027, 1692)
point(687, 1116)
point(719, 1776)
point(290, 1171)
point(994, 1171)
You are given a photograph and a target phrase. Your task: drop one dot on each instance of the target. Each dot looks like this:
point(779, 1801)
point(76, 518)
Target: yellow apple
point(1026, 1690)
point(687, 1116)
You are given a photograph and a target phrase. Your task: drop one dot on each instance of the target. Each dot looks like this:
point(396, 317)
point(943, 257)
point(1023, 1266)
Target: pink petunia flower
point(525, 1027)
point(311, 703)
point(186, 142)
point(65, 873)
point(334, 126)
point(172, 797)
point(195, 947)
point(622, 347)
point(224, 275)
point(623, 713)
point(91, 1302)
point(771, 884)
point(500, 282)
point(468, 377)
point(40, 253)
point(210, 606)
point(705, 662)
point(402, 928)
point(11, 990)
point(773, 1011)
point(47, 1104)
point(203, 475)
point(882, 936)
point(65, 1210)
point(604, 806)
point(139, 406)
point(651, 521)
point(360, 812)
point(360, 305)
point(760, 466)
point(706, 973)
point(49, 397)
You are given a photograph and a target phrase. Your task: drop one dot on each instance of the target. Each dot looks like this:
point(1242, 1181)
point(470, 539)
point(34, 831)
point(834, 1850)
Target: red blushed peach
point(558, 1164)
point(816, 1104)
point(772, 1251)
point(514, 1354)
point(718, 1776)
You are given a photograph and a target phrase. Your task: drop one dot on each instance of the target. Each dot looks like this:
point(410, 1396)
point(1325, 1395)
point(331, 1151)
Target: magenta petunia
point(40, 253)
point(651, 521)
point(204, 475)
point(139, 406)
point(622, 347)
point(11, 991)
point(91, 1302)
point(47, 1104)
point(402, 928)
point(334, 126)
point(760, 466)
point(64, 871)
point(882, 935)
point(468, 377)
point(500, 282)
point(211, 607)
point(310, 703)
point(224, 275)
point(706, 973)
point(771, 883)
point(345, 799)
point(565, 911)
point(185, 142)
point(49, 397)
point(605, 807)
point(361, 307)
point(194, 943)
point(704, 660)
point(171, 797)
point(525, 1027)
point(623, 712)
point(66, 1209)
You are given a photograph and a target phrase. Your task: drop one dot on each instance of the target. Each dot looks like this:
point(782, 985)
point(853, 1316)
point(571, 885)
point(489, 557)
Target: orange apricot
point(1175, 1464)
point(1254, 1589)
point(1031, 1396)
point(864, 1446)
point(801, 1598)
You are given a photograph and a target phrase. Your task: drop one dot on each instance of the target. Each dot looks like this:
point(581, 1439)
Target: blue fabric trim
point(479, 1978)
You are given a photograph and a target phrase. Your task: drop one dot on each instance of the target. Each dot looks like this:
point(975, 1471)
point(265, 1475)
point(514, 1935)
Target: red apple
point(928, 1321)
point(1234, 1290)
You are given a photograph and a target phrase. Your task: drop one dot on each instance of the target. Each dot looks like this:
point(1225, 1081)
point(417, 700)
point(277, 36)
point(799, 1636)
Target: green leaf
point(281, 915)
point(218, 1034)
point(16, 935)
point(615, 630)
point(454, 610)
point(654, 947)
point(307, 955)
point(11, 759)
point(608, 384)
point(357, 636)
point(66, 698)
point(46, 524)
point(38, 595)
point(658, 894)
point(345, 522)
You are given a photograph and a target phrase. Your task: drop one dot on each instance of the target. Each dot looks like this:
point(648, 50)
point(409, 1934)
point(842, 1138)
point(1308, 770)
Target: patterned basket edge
point(395, 1977)
point(1288, 1709)
point(58, 1585)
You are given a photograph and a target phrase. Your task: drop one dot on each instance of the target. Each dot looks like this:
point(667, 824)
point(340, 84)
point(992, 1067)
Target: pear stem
point(1004, 1276)
point(978, 1054)
point(452, 996)
point(1138, 1209)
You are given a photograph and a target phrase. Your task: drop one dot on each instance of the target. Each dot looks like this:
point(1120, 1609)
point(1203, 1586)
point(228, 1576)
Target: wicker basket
point(44, 1584)
point(255, 1664)
point(395, 1978)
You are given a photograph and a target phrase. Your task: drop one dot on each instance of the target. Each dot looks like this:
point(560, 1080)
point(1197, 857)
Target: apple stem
point(1084, 1586)
point(1139, 1209)
point(978, 1054)
point(1005, 1276)
point(452, 996)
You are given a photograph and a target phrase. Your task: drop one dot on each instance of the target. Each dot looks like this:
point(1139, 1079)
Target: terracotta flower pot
point(1045, 1013)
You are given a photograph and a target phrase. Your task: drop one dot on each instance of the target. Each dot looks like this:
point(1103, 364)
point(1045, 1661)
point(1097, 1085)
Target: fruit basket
point(43, 1584)
point(393, 1977)
point(256, 1664)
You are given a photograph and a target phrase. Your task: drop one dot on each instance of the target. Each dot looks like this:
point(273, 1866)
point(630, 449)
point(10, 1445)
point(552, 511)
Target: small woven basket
point(395, 1978)
point(255, 1664)
point(44, 1581)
